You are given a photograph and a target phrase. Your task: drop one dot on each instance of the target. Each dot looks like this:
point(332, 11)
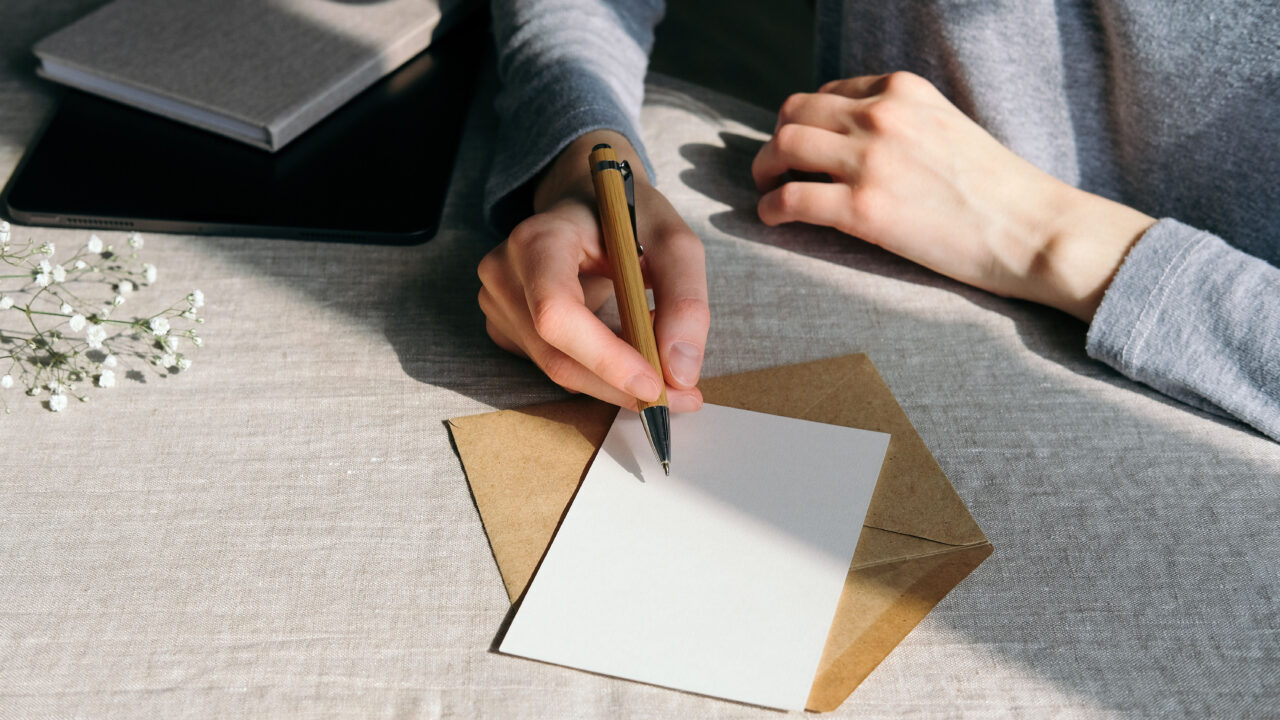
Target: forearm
point(567, 67)
point(1077, 249)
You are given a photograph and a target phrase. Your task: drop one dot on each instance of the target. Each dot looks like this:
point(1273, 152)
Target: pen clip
point(629, 183)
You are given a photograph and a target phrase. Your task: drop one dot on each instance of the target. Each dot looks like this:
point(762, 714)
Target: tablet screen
point(376, 170)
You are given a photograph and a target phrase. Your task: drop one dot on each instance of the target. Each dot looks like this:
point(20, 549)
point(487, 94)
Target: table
point(284, 529)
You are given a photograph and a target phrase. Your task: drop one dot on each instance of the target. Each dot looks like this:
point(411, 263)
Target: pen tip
point(666, 468)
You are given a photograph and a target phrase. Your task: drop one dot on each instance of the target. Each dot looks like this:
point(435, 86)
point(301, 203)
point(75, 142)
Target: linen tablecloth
point(283, 530)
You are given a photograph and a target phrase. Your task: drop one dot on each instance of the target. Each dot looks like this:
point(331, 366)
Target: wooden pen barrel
point(620, 245)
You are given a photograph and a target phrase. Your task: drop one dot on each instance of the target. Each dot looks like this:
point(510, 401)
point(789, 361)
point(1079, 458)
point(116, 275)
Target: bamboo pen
point(615, 198)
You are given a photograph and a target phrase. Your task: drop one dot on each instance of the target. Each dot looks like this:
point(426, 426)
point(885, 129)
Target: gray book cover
point(258, 71)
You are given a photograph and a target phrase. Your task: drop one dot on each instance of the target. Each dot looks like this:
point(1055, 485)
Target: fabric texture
point(285, 531)
point(1197, 320)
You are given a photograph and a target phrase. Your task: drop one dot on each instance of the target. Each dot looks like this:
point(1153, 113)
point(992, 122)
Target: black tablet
point(374, 171)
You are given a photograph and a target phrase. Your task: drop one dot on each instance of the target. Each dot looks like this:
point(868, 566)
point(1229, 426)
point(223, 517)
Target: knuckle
point(488, 268)
point(871, 157)
point(863, 204)
point(549, 317)
point(881, 116)
point(903, 81)
point(558, 367)
point(789, 138)
point(790, 198)
point(692, 309)
point(791, 107)
point(523, 236)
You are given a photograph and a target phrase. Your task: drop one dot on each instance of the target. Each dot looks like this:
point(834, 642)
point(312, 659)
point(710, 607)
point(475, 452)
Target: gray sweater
point(1172, 108)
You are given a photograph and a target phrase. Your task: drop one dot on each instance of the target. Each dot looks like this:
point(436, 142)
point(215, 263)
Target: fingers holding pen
point(535, 299)
point(676, 266)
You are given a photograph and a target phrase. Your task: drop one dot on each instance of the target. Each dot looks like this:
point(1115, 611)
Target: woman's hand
point(542, 286)
point(913, 174)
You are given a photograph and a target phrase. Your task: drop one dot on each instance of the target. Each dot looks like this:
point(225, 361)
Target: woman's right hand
point(542, 287)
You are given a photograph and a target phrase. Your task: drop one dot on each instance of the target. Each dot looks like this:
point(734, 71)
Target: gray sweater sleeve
point(567, 67)
point(1198, 320)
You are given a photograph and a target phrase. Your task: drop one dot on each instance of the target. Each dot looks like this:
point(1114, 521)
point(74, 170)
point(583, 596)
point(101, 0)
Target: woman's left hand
point(913, 174)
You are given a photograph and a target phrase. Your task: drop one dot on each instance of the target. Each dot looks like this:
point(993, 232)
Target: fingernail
point(684, 362)
point(642, 387)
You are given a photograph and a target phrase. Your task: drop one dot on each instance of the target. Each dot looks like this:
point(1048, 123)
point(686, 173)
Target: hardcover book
point(259, 71)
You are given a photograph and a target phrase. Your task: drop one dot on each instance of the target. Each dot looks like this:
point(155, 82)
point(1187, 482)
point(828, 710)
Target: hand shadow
point(723, 173)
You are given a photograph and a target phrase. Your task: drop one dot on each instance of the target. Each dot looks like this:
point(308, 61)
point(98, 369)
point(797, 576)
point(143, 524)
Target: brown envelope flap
point(912, 496)
point(523, 467)
point(878, 607)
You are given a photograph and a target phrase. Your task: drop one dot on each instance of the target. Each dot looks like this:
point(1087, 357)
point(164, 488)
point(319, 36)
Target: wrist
point(569, 174)
point(1084, 240)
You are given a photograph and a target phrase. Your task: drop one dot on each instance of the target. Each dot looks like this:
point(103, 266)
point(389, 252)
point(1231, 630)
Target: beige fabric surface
point(285, 531)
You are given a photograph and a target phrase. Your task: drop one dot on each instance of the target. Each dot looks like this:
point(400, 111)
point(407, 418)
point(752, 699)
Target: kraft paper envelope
point(917, 543)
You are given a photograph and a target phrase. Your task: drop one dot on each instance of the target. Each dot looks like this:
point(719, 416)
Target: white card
point(722, 579)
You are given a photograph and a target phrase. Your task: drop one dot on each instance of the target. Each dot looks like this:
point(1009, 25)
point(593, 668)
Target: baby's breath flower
point(80, 265)
point(159, 326)
point(169, 342)
point(95, 335)
point(6, 302)
point(95, 244)
point(6, 381)
point(59, 273)
point(43, 279)
point(34, 390)
point(183, 362)
point(65, 308)
point(109, 361)
point(189, 314)
point(167, 360)
point(57, 402)
point(135, 241)
point(107, 379)
point(117, 301)
point(149, 271)
point(197, 340)
point(124, 288)
point(47, 249)
point(196, 298)
point(54, 387)
point(45, 266)
point(76, 323)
